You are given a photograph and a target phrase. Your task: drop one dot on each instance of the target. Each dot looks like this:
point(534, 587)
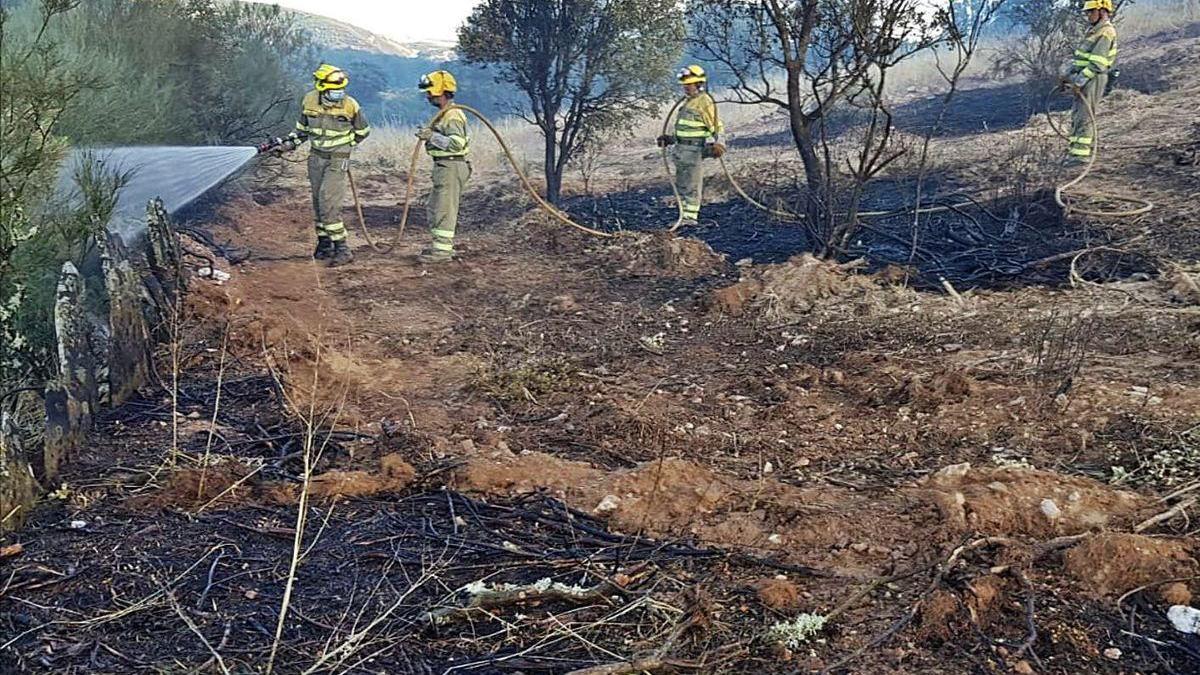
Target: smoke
point(178, 175)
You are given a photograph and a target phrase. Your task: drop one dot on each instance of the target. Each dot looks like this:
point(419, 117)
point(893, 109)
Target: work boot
point(434, 255)
point(688, 222)
point(341, 254)
point(324, 249)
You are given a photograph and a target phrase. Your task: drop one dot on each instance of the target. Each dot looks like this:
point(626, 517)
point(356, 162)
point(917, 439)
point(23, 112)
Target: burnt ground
point(696, 452)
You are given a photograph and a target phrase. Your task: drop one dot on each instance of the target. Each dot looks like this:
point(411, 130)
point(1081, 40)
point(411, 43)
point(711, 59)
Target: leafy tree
point(587, 67)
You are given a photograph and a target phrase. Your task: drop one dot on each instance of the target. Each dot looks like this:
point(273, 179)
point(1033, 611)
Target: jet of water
point(179, 175)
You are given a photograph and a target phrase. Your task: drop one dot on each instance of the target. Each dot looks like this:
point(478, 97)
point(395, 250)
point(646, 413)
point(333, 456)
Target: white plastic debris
point(214, 274)
point(78, 524)
point(1185, 619)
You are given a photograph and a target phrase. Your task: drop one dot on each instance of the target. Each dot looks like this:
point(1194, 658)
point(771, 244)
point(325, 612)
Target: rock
point(1050, 509)
point(1185, 619)
point(1112, 653)
point(1023, 668)
point(564, 303)
point(609, 504)
point(1175, 594)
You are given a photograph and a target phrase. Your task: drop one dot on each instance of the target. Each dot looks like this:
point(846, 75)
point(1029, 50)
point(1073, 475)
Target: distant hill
point(384, 72)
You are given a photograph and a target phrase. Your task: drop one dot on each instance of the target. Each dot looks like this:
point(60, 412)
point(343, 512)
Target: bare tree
point(588, 67)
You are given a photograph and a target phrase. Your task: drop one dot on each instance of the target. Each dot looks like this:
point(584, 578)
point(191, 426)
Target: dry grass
point(390, 147)
point(1148, 17)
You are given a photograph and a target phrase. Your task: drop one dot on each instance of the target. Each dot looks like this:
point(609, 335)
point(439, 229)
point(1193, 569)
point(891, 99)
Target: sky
point(405, 20)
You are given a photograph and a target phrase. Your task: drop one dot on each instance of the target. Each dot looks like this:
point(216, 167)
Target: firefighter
point(697, 130)
point(1088, 71)
point(335, 123)
point(448, 145)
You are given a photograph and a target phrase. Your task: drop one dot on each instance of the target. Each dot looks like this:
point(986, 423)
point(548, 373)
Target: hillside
point(384, 72)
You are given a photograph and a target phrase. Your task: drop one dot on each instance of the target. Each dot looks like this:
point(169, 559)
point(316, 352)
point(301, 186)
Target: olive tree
point(589, 68)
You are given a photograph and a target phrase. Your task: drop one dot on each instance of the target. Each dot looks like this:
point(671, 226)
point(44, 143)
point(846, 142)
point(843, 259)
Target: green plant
point(589, 68)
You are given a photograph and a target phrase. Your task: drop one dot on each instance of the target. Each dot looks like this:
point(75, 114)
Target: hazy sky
point(398, 19)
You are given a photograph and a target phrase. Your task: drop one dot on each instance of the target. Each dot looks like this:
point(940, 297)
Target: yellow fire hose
point(508, 153)
point(1063, 192)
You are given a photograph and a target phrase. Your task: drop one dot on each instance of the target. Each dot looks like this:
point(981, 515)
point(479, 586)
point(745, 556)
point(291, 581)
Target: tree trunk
point(801, 128)
point(553, 171)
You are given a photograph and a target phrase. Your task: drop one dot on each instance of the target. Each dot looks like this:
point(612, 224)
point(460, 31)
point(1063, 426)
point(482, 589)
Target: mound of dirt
point(394, 475)
point(1020, 500)
point(777, 593)
point(1113, 563)
point(221, 484)
point(664, 253)
point(945, 614)
point(804, 284)
point(230, 484)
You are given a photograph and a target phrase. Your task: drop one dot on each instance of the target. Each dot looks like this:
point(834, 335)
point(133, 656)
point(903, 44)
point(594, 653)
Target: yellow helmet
point(1098, 4)
point(692, 74)
point(330, 77)
point(437, 83)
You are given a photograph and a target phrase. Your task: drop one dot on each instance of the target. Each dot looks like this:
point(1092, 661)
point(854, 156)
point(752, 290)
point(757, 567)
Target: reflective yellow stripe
point(448, 234)
point(1087, 72)
point(1083, 140)
point(1100, 60)
point(443, 246)
point(1080, 152)
point(326, 143)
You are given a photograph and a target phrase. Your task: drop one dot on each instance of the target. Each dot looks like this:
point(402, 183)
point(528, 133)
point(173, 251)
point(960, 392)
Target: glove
point(714, 150)
point(425, 134)
point(269, 145)
point(1079, 80)
point(439, 141)
point(665, 140)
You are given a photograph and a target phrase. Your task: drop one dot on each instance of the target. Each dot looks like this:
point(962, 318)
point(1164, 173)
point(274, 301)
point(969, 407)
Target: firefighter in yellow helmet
point(1088, 71)
point(697, 131)
point(448, 143)
point(335, 124)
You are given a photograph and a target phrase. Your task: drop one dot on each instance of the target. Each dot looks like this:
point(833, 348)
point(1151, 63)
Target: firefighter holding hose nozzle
point(695, 126)
point(335, 124)
point(1088, 71)
point(449, 145)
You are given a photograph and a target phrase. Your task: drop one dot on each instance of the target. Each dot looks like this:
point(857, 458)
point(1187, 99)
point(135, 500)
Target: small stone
point(775, 539)
point(1112, 653)
point(78, 524)
point(768, 467)
point(251, 594)
point(609, 504)
point(1023, 668)
point(1050, 509)
point(859, 547)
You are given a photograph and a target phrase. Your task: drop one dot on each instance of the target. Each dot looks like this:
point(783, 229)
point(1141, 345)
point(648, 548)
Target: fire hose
point(512, 160)
point(737, 187)
point(1063, 192)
